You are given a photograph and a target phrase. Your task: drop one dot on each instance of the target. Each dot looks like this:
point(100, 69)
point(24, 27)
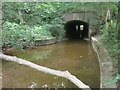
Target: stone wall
point(45, 41)
point(82, 16)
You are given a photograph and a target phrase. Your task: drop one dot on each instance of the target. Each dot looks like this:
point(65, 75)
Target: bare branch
point(64, 74)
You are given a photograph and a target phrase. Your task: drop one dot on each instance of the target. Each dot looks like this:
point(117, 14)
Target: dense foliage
point(33, 13)
point(27, 21)
point(24, 22)
point(111, 41)
point(16, 36)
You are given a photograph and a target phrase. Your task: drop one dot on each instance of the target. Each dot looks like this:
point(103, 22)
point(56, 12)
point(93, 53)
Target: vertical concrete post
point(0, 44)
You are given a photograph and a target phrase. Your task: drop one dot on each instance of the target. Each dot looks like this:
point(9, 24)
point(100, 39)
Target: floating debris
point(58, 85)
point(55, 77)
point(87, 39)
point(45, 86)
point(62, 84)
point(81, 56)
point(33, 85)
point(55, 65)
point(54, 84)
point(84, 67)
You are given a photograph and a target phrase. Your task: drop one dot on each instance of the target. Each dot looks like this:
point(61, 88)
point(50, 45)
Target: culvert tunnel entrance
point(76, 29)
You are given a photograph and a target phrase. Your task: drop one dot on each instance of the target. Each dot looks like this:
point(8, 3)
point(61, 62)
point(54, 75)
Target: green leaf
point(117, 77)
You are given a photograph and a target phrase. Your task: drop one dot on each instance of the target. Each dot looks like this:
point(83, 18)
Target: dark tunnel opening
point(76, 29)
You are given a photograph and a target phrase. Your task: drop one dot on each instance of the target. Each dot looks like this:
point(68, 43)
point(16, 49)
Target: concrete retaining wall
point(48, 41)
point(106, 66)
point(45, 41)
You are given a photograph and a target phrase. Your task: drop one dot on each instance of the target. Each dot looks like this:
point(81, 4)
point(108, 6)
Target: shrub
point(110, 39)
point(42, 32)
point(16, 36)
point(20, 36)
point(57, 31)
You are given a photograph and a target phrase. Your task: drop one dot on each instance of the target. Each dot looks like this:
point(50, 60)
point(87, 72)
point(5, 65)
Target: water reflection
point(75, 56)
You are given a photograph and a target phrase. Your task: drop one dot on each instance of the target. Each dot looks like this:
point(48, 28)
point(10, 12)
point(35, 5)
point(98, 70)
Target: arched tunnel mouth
point(76, 29)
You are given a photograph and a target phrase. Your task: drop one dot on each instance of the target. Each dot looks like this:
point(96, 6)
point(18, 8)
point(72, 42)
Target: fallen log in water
point(64, 74)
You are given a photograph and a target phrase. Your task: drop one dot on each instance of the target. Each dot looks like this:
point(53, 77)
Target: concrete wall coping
point(105, 63)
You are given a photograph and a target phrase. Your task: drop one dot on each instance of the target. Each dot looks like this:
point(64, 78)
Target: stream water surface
point(75, 56)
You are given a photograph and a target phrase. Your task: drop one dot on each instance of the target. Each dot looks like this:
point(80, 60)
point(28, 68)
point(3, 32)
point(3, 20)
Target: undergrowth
point(110, 40)
point(21, 36)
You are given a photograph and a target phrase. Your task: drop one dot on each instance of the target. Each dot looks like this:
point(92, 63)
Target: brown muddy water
point(75, 56)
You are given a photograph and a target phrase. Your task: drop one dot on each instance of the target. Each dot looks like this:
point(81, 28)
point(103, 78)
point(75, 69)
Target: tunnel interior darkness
point(76, 29)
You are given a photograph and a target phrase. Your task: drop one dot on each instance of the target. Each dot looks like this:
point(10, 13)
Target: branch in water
point(64, 74)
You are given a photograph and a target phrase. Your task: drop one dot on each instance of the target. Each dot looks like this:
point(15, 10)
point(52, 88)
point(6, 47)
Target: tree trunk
point(20, 17)
point(107, 19)
point(118, 19)
point(64, 74)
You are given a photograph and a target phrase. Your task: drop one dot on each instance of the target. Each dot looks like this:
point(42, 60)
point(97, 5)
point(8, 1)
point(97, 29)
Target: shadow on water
point(76, 56)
